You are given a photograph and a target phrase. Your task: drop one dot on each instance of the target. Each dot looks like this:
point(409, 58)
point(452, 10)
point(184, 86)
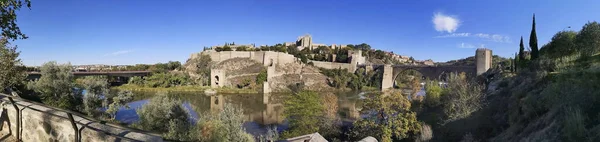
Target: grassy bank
point(224, 90)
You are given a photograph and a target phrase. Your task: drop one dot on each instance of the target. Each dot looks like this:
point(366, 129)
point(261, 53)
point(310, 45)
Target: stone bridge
point(483, 61)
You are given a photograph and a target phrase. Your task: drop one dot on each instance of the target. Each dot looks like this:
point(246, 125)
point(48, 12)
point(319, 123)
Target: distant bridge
point(483, 58)
point(114, 77)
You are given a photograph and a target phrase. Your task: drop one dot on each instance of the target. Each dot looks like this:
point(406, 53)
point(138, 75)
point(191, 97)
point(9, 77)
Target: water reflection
point(260, 110)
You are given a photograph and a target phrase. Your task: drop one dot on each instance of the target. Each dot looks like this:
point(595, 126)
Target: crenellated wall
point(33, 122)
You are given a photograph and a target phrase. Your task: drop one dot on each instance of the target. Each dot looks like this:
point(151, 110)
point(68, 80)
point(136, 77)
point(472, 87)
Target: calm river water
point(260, 110)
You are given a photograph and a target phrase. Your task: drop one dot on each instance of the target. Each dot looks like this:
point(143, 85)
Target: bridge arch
point(415, 73)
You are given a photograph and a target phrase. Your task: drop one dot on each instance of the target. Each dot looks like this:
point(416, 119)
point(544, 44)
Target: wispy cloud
point(445, 23)
point(467, 45)
point(491, 37)
point(117, 53)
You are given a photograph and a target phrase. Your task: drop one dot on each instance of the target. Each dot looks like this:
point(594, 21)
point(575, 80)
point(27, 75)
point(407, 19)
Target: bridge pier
point(388, 78)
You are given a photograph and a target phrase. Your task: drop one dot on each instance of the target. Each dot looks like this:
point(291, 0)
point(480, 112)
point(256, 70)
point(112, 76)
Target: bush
point(387, 118)
point(225, 125)
point(461, 97)
point(434, 93)
point(588, 39)
point(95, 87)
point(56, 88)
point(164, 114)
point(119, 100)
point(137, 80)
point(167, 80)
point(261, 77)
point(574, 126)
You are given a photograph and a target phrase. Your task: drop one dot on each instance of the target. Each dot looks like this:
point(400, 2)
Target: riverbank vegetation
point(548, 98)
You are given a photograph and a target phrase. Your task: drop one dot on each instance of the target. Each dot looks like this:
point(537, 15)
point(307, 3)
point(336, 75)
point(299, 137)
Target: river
point(260, 110)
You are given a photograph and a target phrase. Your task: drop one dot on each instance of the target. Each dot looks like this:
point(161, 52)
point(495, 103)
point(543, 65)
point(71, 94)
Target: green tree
point(533, 44)
point(165, 114)
point(588, 39)
point(11, 73)
point(388, 118)
point(227, 48)
point(119, 100)
point(55, 87)
point(136, 80)
point(562, 44)
point(95, 87)
point(521, 49)
point(461, 97)
point(9, 9)
point(225, 125)
point(304, 111)
point(434, 94)
point(173, 65)
point(309, 112)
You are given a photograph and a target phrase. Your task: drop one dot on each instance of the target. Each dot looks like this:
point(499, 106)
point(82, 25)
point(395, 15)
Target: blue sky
point(151, 31)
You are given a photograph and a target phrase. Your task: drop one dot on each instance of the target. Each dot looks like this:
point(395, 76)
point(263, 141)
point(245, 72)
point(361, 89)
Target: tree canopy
point(8, 23)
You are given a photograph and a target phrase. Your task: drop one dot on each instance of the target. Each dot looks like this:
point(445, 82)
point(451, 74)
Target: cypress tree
point(521, 49)
point(515, 62)
point(533, 42)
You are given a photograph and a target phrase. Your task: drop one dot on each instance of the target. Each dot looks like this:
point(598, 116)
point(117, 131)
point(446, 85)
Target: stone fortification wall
point(33, 122)
point(331, 65)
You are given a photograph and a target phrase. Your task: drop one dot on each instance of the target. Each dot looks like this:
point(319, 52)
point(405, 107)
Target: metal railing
point(70, 118)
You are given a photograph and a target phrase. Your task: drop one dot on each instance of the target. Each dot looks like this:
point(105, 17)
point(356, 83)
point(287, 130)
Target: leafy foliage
point(119, 100)
point(261, 77)
point(164, 114)
point(55, 87)
point(9, 26)
point(166, 80)
point(533, 44)
point(11, 73)
point(303, 110)
point(225, 125)
point(461, 98)
point(388, 118)
point(434, 94)
point(95, 88)
point(588, 39)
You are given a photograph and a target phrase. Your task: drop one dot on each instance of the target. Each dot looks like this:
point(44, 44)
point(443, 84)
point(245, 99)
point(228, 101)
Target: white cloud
point(454, 35)
point(117, 53)
point(446, 23)
point(491, 37)
point(467, 45)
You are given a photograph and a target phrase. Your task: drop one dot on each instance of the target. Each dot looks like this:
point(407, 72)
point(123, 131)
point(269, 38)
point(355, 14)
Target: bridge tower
point(483, 60)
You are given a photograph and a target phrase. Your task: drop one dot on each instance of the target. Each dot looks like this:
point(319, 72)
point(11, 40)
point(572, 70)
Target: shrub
point(433, 94)
point(137, 80)
point(461, 97)
point(225, 125)
point(388, 117)
point(164, 114)
point(261, 77)
point(10, 72)
point(55, 87)
point(304, 111)
point(574, 125)
point(119, 100)
point(96, 87)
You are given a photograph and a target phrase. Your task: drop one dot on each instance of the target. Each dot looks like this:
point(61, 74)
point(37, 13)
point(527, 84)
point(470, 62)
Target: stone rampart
point(332, 65)
point(33, 122)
